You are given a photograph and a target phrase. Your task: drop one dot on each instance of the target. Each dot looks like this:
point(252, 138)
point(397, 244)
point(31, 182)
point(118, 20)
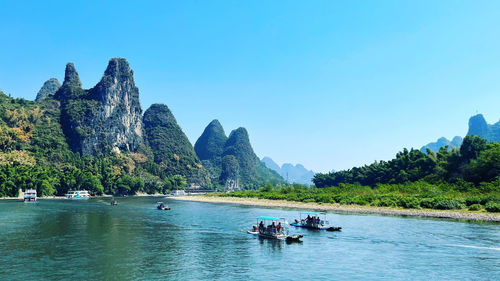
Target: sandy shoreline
point(461, 215)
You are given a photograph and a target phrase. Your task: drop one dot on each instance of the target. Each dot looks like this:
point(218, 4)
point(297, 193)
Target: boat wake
point(475, 247)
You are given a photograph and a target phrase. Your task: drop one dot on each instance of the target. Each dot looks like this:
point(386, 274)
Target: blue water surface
point(91, 240)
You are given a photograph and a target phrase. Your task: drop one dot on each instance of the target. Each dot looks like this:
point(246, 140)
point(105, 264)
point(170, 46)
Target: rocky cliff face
point(171, 147)
point(479, 127)
point(49, 88)
point(121, 113)
point(106, 117)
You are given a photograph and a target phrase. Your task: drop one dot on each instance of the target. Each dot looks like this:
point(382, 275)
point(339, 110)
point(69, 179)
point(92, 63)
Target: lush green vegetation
point(465, 178)
point(414, 195)
point(34, 153)
point(98, 139)
point(476, 161)
point(232, 160)
point(170, 146)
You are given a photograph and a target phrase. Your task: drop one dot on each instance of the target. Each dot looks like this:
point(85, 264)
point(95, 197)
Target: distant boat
point(30, 195)
point(178, 193)
point(314, 220)
point(78, 194)
point(162, 206)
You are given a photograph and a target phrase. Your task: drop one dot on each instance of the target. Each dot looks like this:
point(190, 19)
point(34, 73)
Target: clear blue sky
point(329, 84)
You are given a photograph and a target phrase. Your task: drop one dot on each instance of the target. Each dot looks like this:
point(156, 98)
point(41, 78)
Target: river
point(63, 239)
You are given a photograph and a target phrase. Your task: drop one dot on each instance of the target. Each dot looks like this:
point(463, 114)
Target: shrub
point(490, 199)
point(493, 207)
point(448, 204)
point(387, 202)
point(475, 207)
point(346, 201)
point(324, 198)
point(473, 200)
point(427, 203)
point(409, 203)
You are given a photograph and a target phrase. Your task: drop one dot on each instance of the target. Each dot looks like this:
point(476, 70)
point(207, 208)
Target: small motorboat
point(114, 203)
point(272, 228)
point(315, 221)
point(162, 206)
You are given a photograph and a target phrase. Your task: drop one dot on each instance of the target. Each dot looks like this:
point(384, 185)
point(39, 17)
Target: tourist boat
point(30, 195)
point(162, 206)
point(114, 203)
point(314, 220)
point(78, 194)
point(273, 228)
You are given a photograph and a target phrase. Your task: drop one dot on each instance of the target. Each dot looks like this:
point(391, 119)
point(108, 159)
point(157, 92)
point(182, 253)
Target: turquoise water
point(61, 239)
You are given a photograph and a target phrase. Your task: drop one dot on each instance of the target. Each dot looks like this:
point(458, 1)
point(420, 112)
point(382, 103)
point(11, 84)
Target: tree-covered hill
point(209, 148)
point(98, 139)
point(231, 160)
point(34, 153)
point(170, 146)
point(72, 138)
point(476, 161)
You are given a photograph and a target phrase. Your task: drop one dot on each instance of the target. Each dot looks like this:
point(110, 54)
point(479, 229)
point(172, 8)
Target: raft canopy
point(267, 218)
point(312, 213)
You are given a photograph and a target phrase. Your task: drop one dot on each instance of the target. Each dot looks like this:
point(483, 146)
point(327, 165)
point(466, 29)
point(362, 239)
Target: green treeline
point(476, 161)
point(465, 178)
point(34, 153)
point(411, 195)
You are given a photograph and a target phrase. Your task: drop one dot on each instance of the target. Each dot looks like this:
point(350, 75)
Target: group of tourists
point(274, 228)
point(313, 220)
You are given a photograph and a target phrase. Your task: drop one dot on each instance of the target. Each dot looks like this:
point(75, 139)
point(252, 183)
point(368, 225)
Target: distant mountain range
point(291, 173)
point(477, 126)
point(456, 142)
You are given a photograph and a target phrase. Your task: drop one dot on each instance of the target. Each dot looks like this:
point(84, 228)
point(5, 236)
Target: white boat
point(270, 227)
point(78, 194)
point(30, 195)
point(178, 193)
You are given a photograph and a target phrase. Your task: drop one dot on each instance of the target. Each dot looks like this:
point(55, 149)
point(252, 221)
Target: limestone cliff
point(479, 127)
point(106, 117)
point(49, 88)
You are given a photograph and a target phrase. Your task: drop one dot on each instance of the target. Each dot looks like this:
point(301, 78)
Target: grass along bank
point(416, 195)
point(460, 215)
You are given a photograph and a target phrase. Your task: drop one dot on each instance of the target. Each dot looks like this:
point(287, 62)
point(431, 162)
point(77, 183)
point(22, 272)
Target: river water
point(62, 239)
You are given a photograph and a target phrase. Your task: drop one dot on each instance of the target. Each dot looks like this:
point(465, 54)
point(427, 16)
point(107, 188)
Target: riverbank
point(461, 215)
